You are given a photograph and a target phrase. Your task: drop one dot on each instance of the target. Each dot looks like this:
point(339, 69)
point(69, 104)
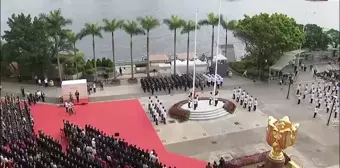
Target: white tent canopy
point(285, 59)
point(219, 57)
point(181, 66)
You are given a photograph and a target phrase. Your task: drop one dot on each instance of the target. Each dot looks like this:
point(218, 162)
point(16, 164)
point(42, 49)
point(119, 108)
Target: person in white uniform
point(316, 110)
point(234, 94)
point(218, 82)
point(255, 105)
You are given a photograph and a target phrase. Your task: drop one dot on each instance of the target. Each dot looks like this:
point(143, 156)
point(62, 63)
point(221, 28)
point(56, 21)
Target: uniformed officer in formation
point(157, 110)
point(245, 99)
point(170, 83)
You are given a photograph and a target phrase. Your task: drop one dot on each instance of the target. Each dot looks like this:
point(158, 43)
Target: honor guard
point(241, 99)
point(210, 98)
point(216, 98)
point(255, 104)
point(234, 93)
point(195, 102)
point(250, 103)
point(245, 101)
point(218, 82)
point(189, 102)
point(316, 110)
point(311, 98)
point(299, 99)
point(304, 94)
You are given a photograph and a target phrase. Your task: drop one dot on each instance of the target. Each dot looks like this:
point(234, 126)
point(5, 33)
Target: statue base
point(271, 163)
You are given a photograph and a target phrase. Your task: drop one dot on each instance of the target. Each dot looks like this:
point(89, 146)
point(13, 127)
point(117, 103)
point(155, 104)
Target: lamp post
point(217, 47)
point(330, 114)
point(290, 83)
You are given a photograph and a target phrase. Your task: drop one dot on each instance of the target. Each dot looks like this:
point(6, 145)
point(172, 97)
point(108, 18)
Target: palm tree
point(212, 21)
point(132, 28)
point(227, 26)
point(55, 23)
point(188, 27)
point(174, 23)
point(148, 23)
point(95, 31)
point(111, 26)
point(72, 39)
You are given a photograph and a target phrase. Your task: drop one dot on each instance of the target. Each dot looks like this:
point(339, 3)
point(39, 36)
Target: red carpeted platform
point(81, 101)
point(126, 117)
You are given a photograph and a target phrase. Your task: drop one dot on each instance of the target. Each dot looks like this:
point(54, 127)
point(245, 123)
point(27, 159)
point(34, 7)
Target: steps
point(204, 111)
point(208, 115)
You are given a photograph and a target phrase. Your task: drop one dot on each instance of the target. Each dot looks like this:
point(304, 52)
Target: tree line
point(34, 42)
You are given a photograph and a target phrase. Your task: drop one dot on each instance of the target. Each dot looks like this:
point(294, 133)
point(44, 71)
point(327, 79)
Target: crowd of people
point(185, 81)
point(157, 110)
point(329, 75)
point(246, 100)
point(32, 98)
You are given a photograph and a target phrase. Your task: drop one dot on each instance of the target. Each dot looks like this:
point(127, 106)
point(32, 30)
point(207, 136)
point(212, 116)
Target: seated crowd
point(87, 148)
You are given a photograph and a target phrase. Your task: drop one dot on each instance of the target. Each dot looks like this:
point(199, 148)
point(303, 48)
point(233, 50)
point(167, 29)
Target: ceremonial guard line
point(157, 110)
point(169, 83)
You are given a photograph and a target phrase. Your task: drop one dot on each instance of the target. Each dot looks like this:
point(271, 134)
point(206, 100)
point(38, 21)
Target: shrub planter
point(247, 160)
point(177, 112)
point(115, 82)
point(132, 80)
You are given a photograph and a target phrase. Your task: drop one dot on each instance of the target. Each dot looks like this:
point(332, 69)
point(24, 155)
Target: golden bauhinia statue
point(281, 134)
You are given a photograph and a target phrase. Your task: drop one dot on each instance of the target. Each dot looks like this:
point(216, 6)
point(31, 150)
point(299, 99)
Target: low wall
point(73, 77)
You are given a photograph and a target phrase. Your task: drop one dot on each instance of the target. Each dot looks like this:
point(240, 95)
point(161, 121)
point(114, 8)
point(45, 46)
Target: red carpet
point(81, 101)
point(126, 117)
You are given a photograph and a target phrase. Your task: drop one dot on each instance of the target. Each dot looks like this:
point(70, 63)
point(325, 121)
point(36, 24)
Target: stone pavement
point(238, 134)
point(243, 133)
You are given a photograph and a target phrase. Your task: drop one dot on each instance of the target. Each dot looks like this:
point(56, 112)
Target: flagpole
point(217, 45)
point(195, 56)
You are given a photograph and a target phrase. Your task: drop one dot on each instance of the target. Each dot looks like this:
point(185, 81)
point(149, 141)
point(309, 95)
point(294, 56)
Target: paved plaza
point(238, 134)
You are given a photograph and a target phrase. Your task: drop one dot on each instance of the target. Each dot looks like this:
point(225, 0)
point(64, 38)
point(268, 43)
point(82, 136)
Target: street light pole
point(290, 83)
point(330, 114)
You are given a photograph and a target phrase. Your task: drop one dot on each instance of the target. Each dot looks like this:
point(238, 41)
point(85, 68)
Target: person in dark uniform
point(70, 97)
point(169, 88)
point(29, 100)
point(42, 96)
point(152, 89)
point(77, 95)
point(120, 71)
point(22, 91)
point(34, 98)
point(144, 89)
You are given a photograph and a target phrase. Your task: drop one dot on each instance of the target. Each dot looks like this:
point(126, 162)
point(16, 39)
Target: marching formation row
point(157, 110)
point(169, 83)
point(245, 99)
point(321, 94)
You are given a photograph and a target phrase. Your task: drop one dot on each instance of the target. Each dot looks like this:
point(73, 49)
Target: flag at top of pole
point(217, 45)
point(195, 56)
